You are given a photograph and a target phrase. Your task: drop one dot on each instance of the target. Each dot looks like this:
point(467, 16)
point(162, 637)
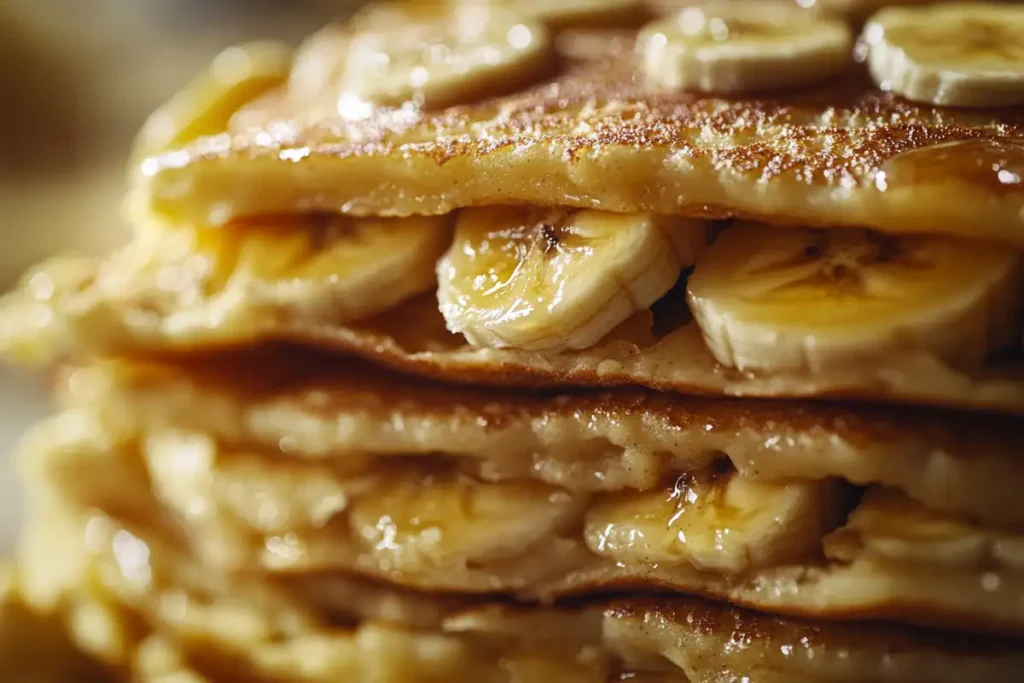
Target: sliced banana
point(319, 63)
point(555, 279)
point(320, 60)
point(236, 76)
point(720, 523)
point(743, 46)
point(196, 480)
point(415, 522)
point(769, 298)
point(889, 525)
point(334, 265)
point(443, 63)
point(966, 54)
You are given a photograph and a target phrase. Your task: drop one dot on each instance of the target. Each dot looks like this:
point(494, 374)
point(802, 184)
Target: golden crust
point(678, 362)
point(228, 628)
point(316, 406)
point(841, 154)
point(263, 514)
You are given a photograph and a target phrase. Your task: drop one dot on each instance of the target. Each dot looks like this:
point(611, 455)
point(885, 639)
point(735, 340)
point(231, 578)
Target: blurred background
point(77, 79)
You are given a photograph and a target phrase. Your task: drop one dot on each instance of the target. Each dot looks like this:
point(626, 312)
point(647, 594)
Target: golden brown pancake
point(843, 154)
point(309, 405)
point(129, 580)
point(272, 464)
point(431, 528)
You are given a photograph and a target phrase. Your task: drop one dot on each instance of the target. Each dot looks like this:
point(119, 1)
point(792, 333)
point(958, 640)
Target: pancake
point(124, 307)
point(251, 235)
point(430, 528)
point(842, 154)
point(480, 344)
point(309, 405)
point(163, 620)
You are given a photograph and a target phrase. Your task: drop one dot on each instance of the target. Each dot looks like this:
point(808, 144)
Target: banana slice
point(337, 266)
point(743, 46)
point(554, 279)
point(802, 299)
point(968, 54)
point(720, 523)
point(319, 63)
point(236, 76)
point(415, 522)
point(889, 525)
point(198, 481)
point(439, 64)
point(320, 60)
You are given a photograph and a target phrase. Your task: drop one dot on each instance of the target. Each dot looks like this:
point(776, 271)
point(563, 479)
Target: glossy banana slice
point(196, 479)
point(720, 523)
point(415, 522)
point(336, 266)
point(743, 46)
point(555, 279)
point(442, 63)
point(961, 54)
point(319, 63)
point(803, 299)
point(235, 77)
point(890, 526)
point(320, 60)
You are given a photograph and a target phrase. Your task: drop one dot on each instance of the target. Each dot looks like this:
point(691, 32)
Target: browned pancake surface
point(425, 526)
point(843, 154)
point(235, 628)
point(310, 405)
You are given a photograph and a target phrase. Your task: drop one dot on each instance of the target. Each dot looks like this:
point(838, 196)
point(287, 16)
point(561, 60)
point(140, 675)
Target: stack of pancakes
point(531, 342)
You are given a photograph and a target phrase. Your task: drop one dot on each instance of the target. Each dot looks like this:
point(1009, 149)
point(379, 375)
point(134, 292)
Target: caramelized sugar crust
point(840, 154)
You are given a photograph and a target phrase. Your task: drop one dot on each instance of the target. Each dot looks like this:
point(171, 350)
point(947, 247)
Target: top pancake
point(839, 154)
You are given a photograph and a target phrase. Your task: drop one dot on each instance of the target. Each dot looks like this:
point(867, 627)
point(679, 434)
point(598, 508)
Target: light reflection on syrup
point(994, 165)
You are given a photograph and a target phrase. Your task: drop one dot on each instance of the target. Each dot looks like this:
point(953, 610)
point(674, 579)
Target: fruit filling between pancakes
point(801, 547)
point(552, 281)
point(135, 602)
